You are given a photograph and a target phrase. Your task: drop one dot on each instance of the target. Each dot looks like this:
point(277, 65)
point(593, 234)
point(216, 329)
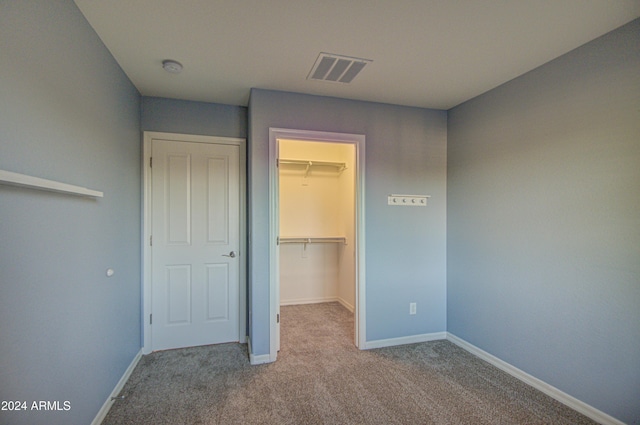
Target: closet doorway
point(316, 224)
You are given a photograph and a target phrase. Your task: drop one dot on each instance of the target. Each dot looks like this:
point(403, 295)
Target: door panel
point(178, 294)
point(217, 197)
point(178, 199)
point(217, 292)
point(195, 225)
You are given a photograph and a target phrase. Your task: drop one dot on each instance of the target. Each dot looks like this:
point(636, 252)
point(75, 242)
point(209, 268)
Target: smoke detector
point(172, 66)
point(336, 68)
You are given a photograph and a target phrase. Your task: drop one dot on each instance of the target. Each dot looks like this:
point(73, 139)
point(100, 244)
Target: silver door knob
point(232, 254)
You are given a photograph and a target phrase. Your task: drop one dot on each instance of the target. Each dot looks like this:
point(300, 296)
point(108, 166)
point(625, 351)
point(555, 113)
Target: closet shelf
point(340, 166)
point(308, 240)
point(22, 180)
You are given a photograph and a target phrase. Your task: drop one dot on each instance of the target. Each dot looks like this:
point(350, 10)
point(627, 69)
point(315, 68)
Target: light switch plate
point(408, 200)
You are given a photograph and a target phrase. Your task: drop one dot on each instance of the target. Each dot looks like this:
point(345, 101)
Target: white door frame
point(146, 226)
point(358, 140)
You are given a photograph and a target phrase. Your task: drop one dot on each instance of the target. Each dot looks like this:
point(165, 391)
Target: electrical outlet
point(412, 308)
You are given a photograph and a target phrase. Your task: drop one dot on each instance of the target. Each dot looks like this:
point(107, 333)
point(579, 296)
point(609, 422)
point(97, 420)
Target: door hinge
point(151, 240)
point(151, 319)
point(151, 161)
point(278, 318)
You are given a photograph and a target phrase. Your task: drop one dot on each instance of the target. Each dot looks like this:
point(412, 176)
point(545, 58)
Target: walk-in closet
point(317, 222)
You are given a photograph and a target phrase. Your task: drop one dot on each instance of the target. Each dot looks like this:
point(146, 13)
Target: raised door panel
point(178, 199)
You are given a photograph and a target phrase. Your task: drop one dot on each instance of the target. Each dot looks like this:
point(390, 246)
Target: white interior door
point(195, 234)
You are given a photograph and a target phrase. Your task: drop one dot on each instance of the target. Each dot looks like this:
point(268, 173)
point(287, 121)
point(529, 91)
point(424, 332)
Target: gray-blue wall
point(188, 117)
point(544, 222)
point(67, 113)
point(405, 247)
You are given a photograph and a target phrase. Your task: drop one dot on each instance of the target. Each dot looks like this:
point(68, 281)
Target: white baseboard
point(536, 383)
point(412, 339)
point(300, 301)
point(116, 390)
point(259, 359)
point(346, 305)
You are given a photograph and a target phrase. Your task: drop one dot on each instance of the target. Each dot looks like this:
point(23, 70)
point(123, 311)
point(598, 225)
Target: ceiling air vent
point(336, 68)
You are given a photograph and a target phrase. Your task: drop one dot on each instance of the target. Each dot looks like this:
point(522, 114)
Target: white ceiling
point(426, 53)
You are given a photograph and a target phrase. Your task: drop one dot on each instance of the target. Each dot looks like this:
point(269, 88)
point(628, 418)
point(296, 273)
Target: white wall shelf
point(23, 180)
point(339, 166)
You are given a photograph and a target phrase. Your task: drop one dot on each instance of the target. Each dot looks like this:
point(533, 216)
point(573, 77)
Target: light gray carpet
point(321, 378)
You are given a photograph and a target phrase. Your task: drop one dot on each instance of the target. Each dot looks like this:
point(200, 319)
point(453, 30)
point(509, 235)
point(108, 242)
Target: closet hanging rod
point(341, 166)
point(305, 240)
point(23, 180)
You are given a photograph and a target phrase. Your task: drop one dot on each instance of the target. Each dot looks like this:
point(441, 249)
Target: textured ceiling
point(427, 53)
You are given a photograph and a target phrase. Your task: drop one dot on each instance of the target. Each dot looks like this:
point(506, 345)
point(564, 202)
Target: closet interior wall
point(317, 202)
